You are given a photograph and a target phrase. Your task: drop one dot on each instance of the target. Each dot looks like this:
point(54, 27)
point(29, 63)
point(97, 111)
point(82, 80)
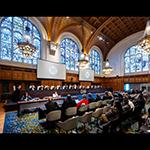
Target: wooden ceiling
point(111, 29)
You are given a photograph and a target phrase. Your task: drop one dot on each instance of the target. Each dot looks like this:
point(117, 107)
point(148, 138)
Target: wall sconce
point(53, 47)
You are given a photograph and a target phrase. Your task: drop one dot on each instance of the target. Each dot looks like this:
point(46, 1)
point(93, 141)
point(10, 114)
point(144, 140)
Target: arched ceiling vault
point(111, 28)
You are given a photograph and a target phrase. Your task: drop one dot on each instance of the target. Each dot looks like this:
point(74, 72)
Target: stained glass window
point(11, 31)
point(136, 60)
point(95, 61)
point(69, 53)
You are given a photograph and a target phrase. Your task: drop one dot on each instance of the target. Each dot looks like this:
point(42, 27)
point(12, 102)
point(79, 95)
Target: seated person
point(146, 125)
point(55, 94)
point(90, 98)
point(26, 97)
point(84, 100)
point(50, 106)
point(16, 95)
point(98, 97)
point(117, 108)
point(68, 102)
point(130, 103)
point(108, 95)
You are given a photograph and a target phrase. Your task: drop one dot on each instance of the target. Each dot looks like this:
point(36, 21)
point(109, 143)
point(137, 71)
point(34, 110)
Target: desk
point(30, 104)
point(22, 105)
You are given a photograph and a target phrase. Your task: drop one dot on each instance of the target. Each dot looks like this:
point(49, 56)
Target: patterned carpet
point(27, 123)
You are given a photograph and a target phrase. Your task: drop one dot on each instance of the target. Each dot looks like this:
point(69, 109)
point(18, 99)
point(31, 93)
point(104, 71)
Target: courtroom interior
point(74, 74)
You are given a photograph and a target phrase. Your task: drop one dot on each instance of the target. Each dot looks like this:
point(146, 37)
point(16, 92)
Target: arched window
point(95, 61)
point(69, 53)
point(136, 60)
point(11, 31)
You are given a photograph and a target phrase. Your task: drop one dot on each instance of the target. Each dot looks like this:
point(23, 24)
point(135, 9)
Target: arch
point(71, 36)
point(96, 65)
point(70, 48)
point(116, 54)
point(15, 27)
point(135, 60)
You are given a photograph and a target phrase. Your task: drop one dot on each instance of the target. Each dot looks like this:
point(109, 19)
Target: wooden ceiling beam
point(88, 25)
point(98, 31)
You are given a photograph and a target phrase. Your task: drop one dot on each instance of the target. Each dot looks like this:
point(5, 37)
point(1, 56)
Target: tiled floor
point(2, 117)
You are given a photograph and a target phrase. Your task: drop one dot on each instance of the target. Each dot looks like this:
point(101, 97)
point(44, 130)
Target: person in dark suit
point(68, 102)
point(26, 97)
point(49, 106)
point(90, 98)
point(98, 97)
point(16, 96)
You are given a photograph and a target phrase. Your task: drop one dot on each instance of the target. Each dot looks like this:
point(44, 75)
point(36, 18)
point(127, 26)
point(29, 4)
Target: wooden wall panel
point(5, 74)
point(27, 76)
point(17, 75)
point(85, 83)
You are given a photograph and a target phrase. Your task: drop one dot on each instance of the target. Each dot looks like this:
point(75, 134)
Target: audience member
point(90, 98)
point(108, 95)
point(55, 95)
point(16, 96)
point(83, 101)
point(26, 97)
point(145, 123)
point(49, 106)
point(68, 102)
point(98, 97)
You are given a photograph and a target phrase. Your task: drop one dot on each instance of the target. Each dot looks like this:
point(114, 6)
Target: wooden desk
point(22, 105)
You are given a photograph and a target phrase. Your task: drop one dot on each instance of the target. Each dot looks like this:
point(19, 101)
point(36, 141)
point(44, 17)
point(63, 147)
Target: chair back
point(98, 112)
point(83, 108)
point(86, 117)
point(71, 111)
point(53, 115)
point(69, 124)
point(98, 103)
point(106, 108)
point(92, 105)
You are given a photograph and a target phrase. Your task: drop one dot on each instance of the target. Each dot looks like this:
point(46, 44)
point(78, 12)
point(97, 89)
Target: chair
point(82, 109)
point(96, 114)
point(86, 119)
point(106, 108)
point(98, 103)
point(52, 117)
point(69, 124)
point(71, 111)
point(92, 106)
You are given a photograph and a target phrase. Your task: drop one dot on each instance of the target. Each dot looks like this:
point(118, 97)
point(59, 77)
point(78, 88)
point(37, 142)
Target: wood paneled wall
point(28, 76)
point(117, 83)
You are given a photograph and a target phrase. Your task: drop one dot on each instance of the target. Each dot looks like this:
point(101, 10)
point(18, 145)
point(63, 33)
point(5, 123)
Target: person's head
point(84, 96)
point(98, 95)
point(69, 97)
point(49, 98)
point(26, 93)
point(106, 93)
point(110, 94)
point(117, 104)
point(90, 95)
point(19, 87)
